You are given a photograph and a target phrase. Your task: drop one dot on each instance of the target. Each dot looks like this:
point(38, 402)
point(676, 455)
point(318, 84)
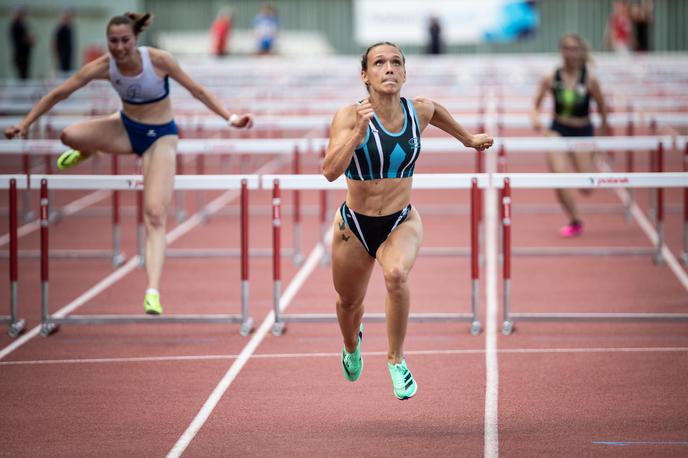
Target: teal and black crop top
point(384, 154)
point(571, 102)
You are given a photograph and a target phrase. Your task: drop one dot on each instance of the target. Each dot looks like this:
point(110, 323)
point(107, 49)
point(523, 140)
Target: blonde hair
point(587, 58)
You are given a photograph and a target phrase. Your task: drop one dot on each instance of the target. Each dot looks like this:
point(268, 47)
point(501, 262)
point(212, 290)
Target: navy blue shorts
point(142, 136)
point(372, 231)
point(569, 131)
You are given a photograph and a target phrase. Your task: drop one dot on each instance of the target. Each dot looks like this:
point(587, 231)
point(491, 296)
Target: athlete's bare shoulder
point(345, 117)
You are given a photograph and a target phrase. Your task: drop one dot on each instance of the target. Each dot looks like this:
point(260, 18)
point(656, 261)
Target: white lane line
point(464, 351)
point(67, 210)
point(651, 234)
point(76, 303)
point(130, 265)
point(202, 416)
point(649, 230)
point(491, 425)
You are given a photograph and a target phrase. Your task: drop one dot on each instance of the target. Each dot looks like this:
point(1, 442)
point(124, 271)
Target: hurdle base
point(378, 318)
point(509, 325)
point(48, 328)
point(16, 327)
point(136, 319)
point(221, 253)
point(246, 327)
point(279, 327)
point(582, 251)
point(475, 327)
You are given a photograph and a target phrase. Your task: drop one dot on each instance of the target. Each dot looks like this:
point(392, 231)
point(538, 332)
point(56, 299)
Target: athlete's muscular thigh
point(105, 134)
point(555, 161)
point(401, 247)
point(351, 263)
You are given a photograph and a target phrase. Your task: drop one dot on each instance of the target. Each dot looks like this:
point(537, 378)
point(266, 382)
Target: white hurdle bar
point(430, 144)
point(16, 324)
point(420, 181)
point(580, 180)
point(50, 323)
point(299, 122)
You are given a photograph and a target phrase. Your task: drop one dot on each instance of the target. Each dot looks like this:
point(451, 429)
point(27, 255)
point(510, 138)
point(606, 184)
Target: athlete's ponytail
point(138, 21)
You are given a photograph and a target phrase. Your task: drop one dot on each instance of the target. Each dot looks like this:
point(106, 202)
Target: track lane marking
point(649, 230)
point(491, 420)
point(209, 405)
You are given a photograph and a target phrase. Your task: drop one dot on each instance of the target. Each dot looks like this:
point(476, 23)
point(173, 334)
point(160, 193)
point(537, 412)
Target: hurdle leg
point(508, 325)
point(140, 229)
point(279, 326)
point(246, 320)
point(17, 326)
point(47, 327)
point(659, 256)
point(117, 256)
point(684, 256)
point(27, 213)
point(475, 256)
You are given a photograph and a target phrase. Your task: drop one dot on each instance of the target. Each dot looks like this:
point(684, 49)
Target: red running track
point(564, 389)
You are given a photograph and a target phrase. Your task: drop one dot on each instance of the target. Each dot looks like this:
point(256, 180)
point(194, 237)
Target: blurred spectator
point(63, 42)
point(435, 36)
point(22, 42)
point(641, 16)
point(265, 26)
point(220, 30)
point(619, 30)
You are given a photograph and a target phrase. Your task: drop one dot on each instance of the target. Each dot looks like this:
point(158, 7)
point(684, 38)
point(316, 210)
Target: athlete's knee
point(155, 214)
point(349, 304)
point(68, 137)
point(395, 278)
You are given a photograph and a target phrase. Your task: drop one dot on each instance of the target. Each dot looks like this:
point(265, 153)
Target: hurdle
point(16, 325)
point(580, 180)
point(628, 144)
point(49, 324)
point(282, 148)
point(277, 183)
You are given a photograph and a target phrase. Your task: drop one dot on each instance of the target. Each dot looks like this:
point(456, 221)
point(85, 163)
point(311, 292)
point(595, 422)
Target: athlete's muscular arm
point(348, 130)
point(596, 93)
point(431, 112)
point(543, 88)
point(166, 63)
point(93, 70)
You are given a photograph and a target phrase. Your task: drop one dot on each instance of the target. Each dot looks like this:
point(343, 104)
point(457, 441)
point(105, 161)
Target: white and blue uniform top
point(146, 87)
point(384, 154)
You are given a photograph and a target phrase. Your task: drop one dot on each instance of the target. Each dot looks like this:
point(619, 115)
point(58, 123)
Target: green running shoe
point(352, 363)
point(70, 158)
point(151, 304)
point(404, 384)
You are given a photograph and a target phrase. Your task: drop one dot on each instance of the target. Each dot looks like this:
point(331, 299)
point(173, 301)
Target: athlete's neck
point(132, 66)
point(386, 107)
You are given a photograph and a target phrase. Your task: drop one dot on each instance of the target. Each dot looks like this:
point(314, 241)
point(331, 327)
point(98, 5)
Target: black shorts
point(570, 131)
point(372, 231)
